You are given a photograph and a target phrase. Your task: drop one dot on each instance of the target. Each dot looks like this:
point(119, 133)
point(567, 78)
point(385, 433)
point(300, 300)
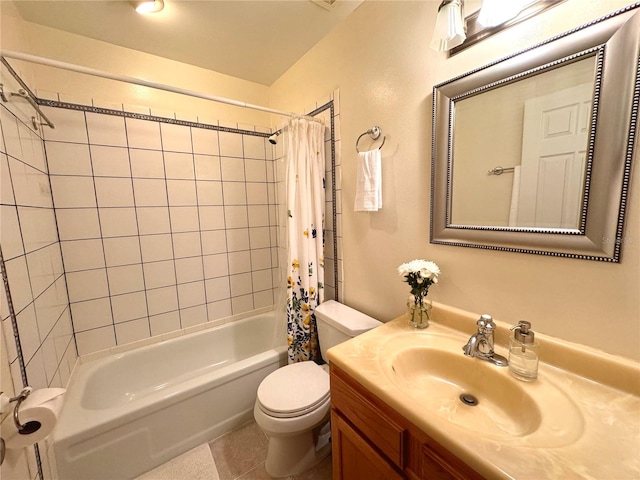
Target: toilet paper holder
point(29, 427)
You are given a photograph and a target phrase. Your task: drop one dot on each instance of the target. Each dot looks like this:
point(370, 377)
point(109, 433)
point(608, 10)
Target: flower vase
point(419, 310)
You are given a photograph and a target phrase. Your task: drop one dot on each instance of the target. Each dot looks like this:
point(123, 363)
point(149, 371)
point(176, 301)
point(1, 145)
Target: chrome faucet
point(480, 345)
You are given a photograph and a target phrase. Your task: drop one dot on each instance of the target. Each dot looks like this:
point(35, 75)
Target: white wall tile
point(214, 241)
point(162, 300)
point(189, 269)
point(235, 216)
point(186, 244)
point(6, 188)
point(68, 158)
point(106, 130)
point(179, 165)
point(240, 284)
point(239, 262)
point(257, 194)
point(191, 294)
point(260, 237)
point(175, 138)
point(234, 193)
point(156, 247)
point(110, 161)
point(212, 218)
point(87, 285)
point(207, 167)
point(10, 235)
point(159, 274)
point(255, 170)
point(181, 192)
point(230, 144)
point(91, 314)
point(165, 323)
point(129, 306)
point(70, 192)
point(30, 186)
point(38, 227)
point(261, 280)
point(260, 258)
point(143, 134)
point(10, 133)
point(215, 265)
point(114, 192)
point(254, 147)
point(184, 219)
point(125, 279)
point(232, 169)
point(259, 215)
point(82, 254)
point(153, 220)
point(237, 239)
point(122, 251)
point(217, 289)
point(219, 309)
point(118, 222)
point(45, 266)
point(70, 126)
point(205, 141)
point(95, 340)
point(78, 223)
point(18, 276)
point(50, 305)
point(150, 192)
point(146, 163)
point(28, 328)
point(193, 316)
point(209, 192)
point(35, 371)
point(263, 299)
point(241, 304)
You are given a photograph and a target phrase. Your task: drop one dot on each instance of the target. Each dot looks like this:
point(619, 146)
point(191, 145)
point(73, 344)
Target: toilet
point(293, 406)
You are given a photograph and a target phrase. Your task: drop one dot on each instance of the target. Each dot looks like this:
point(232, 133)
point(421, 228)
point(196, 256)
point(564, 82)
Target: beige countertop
point(601, 394)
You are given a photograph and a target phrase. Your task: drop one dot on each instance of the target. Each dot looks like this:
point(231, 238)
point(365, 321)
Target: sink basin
point(432, 371)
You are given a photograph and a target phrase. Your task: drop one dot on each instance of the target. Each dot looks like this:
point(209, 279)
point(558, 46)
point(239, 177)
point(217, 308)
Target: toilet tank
point(337, 323)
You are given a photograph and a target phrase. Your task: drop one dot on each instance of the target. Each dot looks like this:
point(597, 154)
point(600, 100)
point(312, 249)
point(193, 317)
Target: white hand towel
point(369, 181)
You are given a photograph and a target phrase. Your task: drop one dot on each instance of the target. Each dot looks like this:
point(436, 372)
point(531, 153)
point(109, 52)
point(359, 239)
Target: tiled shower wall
point(162, 225)
point(31, 251)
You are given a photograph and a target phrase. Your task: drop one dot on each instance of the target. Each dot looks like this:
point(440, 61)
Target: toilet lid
point(294, 389)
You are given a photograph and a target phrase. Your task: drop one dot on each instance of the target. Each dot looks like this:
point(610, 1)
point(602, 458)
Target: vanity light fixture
point(449, 31)
point(497, 12)
point(149, 6)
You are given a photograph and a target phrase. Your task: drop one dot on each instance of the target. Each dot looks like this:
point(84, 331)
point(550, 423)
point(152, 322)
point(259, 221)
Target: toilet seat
point(294, 390)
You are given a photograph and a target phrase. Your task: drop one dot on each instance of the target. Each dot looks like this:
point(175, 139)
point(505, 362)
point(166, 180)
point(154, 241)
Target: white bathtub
point(128, 413)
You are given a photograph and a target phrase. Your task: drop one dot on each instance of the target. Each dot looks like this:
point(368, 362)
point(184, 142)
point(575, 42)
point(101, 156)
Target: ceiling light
point(449, 31)
point(497, 12)
point(149, 6)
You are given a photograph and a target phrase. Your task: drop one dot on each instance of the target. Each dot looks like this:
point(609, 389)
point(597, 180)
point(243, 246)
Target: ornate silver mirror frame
point(615, 41)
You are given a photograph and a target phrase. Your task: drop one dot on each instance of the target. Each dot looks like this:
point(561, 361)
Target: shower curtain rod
point(137, 81)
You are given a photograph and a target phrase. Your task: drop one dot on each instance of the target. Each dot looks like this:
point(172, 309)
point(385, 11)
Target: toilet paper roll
point(42, 406)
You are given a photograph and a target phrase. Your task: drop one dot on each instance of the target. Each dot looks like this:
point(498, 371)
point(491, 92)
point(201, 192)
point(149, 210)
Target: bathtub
point(127, 413)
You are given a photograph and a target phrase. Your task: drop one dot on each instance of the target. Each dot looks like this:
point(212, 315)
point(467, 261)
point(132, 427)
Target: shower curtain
point(305, 211)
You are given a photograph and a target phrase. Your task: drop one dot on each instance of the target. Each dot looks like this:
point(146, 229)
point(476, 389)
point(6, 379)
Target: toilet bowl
point(293, 403)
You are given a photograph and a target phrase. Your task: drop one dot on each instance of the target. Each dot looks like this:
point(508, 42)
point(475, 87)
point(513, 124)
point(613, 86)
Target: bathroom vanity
point(398, 409)
point(372, 441)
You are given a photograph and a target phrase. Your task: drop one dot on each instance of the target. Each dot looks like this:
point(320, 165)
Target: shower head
point(273, 139)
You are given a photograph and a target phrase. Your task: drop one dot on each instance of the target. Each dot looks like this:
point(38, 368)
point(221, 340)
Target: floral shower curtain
point(305, 205)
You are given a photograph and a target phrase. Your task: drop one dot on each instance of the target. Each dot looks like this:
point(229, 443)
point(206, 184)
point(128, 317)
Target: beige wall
point(381, 61)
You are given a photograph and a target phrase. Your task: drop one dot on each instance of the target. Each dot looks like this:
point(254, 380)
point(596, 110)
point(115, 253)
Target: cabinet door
point(354, 458)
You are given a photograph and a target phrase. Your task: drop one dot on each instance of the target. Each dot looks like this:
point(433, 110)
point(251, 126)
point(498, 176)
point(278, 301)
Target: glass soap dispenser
point(524, 352)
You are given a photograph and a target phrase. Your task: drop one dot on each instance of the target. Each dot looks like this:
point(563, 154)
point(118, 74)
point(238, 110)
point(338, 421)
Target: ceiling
point(256, 40)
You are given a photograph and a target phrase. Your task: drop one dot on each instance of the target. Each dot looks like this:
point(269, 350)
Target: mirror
point(532, 153)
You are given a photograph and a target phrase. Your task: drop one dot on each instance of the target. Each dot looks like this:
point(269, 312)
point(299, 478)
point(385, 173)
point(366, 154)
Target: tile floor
point(240, 455)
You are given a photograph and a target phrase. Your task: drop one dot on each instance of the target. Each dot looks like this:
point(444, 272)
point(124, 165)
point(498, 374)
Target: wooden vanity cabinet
point(371, 441)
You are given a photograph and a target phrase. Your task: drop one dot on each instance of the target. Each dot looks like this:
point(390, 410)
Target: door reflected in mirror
point(537, 130)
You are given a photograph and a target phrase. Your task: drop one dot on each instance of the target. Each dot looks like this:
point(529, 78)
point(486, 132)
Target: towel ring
point(375, 133)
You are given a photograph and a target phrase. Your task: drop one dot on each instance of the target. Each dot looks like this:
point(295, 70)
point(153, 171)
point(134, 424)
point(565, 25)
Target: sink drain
point(469, 399)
